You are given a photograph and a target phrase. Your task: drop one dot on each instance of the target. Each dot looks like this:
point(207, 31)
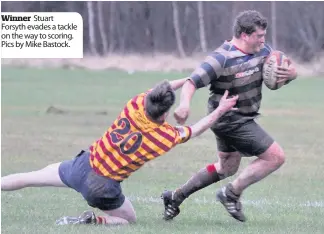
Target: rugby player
point(138, 135)
point(235, 66)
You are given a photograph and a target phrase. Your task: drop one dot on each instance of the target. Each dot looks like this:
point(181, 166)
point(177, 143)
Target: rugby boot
point(87, 217)
point(231, 202)
point(171, 209)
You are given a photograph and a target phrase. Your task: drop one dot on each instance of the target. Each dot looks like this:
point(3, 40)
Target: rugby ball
point(273, 60)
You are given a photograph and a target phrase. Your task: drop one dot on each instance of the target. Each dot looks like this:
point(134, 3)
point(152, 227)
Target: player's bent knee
point(129, 216)
point(228, 163)
point(132, 218)
point(280, 158)
point(226, 170)
point(126, 212)
point(278, 155)
point(274, 154)
point(232, 171)
point(222, 155)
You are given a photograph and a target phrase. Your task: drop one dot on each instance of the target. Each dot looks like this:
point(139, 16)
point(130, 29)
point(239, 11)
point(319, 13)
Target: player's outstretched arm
point(176, 84)
point(225, 105)
point(187, 92)
point(181, 113)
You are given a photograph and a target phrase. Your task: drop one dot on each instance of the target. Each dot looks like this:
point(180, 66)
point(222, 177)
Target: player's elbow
point(189, 86)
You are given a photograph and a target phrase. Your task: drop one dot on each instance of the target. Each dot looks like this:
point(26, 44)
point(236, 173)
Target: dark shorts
point(249, 139)
point(99, 191)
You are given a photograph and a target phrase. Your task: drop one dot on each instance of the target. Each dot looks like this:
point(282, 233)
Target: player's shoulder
point(266, 50)
point(267, 47)
point(144, 93)
point(147, 92)
point(219, 54)
point(167, 127)
point(224, 52)
point(137, 102)
point(223, 49)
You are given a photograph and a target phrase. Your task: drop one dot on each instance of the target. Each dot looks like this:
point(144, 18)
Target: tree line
point(185, 28)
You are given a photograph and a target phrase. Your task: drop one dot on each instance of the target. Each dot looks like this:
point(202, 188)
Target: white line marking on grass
point(203, 200)
point(257, 203)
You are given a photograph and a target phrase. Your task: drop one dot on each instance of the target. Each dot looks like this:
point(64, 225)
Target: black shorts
point(99, 191)
point(249, 139)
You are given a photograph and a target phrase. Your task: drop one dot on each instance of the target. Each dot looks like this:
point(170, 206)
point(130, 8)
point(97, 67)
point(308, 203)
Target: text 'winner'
point(41, 35)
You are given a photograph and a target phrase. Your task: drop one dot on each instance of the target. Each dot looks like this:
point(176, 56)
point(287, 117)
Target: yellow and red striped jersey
point(132, 140)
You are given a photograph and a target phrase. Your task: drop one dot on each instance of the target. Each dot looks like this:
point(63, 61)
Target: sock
point(101, 220)
point(203, 178)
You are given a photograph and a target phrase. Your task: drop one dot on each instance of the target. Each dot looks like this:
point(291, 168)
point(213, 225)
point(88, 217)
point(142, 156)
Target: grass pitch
point(49, 115)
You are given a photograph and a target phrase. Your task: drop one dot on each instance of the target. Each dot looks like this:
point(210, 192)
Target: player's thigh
point(223, 145)
point(126, 211)
point(74, 171)
point(229, 161)
point(274, 154)
point(49, 176)
point(250, 139)
point(228, 157)
point(227, 154)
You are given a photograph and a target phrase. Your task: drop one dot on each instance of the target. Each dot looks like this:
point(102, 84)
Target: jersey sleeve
point(208, 71)
point(183, 134)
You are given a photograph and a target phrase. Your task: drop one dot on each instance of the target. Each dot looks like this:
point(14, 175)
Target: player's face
point(256, 40)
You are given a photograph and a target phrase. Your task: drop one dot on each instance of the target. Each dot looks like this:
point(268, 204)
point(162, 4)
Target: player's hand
point(286, 74)
point(181, 114)
point(226, 104)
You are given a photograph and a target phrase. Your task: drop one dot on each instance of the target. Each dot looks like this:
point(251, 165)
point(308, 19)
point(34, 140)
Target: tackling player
point(138, 135)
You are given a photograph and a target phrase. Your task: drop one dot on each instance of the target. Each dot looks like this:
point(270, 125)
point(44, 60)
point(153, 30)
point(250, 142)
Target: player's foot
point(231, 203)
point(87, 217)
point(171, 209)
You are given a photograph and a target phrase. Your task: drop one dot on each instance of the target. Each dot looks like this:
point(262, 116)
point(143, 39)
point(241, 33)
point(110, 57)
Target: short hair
point(159, 100)
point(248, 21)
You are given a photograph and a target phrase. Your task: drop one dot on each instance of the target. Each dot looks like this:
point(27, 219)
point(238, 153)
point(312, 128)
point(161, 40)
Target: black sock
point(203, 178)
